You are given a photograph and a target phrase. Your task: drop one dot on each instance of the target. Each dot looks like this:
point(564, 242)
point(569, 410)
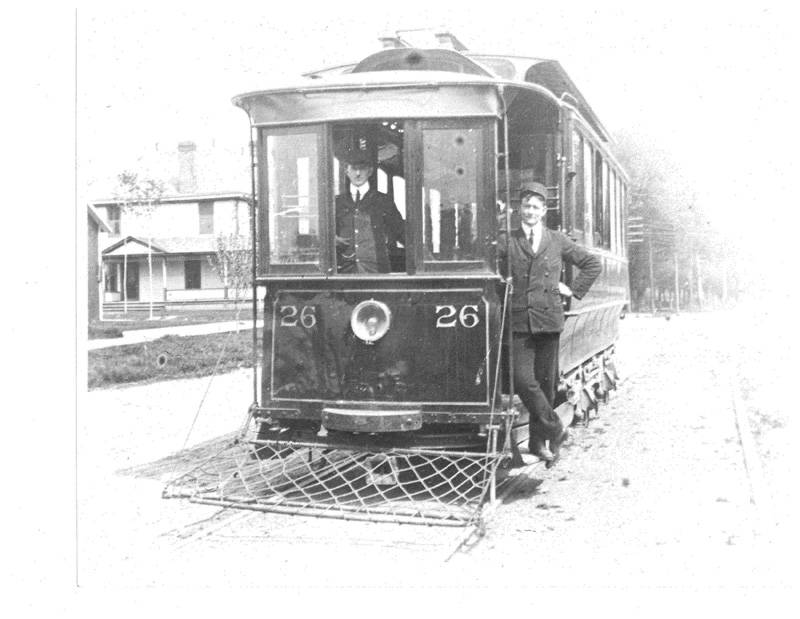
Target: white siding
point(183, 219)
point(175, 283)
point(225, 214)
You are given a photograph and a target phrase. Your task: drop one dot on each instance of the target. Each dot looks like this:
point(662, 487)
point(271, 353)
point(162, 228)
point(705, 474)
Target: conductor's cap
point(532, 189)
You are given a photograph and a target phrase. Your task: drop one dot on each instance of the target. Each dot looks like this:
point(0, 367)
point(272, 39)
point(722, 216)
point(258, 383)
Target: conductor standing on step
point(533, 257)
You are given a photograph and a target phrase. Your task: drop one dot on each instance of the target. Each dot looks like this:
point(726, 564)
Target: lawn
point(139, 320)
point(171, 357)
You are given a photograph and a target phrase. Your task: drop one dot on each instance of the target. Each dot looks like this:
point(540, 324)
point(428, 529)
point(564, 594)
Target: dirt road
point(656, 492)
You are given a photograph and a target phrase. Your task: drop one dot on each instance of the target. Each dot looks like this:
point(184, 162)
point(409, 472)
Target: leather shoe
point(516, 461)
point(538, 449)
point(555, 447)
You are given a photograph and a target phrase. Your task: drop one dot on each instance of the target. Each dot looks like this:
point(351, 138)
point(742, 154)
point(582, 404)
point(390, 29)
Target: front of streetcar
point(407, 355)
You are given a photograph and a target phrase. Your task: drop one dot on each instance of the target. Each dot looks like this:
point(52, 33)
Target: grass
point(171, 357)
point(139, 320)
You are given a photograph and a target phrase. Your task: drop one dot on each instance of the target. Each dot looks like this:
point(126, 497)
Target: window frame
point(114, 216)
point(485, 195)
point(578, 215)
point(606, 205)
point(208, 217)
point(324, 169)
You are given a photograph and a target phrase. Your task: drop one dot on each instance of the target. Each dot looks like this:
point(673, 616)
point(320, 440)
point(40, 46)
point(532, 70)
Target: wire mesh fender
point(325, 479)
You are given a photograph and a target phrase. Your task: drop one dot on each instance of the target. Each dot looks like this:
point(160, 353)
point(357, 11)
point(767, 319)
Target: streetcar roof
point(379, 94)
point(369, 79)
point(516, 70)
point(357, 96)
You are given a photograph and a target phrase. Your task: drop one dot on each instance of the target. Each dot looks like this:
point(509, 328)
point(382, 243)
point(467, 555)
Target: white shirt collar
point(361, 189)
point(537, 233)
point(537, 229)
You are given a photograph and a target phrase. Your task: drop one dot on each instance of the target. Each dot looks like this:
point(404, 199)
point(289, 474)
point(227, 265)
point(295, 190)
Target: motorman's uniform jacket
point(536, 302)
point(371, 227)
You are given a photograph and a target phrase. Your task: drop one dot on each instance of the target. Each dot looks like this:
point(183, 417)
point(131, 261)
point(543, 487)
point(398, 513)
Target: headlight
point(371, 320)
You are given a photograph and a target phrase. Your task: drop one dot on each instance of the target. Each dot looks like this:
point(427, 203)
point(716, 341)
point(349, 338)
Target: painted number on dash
point(450, 316)
point(291, 316)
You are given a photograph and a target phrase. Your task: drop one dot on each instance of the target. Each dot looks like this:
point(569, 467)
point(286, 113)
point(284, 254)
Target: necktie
point(530, 240)
point(358, 196)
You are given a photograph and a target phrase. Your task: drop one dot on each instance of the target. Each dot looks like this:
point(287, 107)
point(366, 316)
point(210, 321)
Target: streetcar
point(411, 359)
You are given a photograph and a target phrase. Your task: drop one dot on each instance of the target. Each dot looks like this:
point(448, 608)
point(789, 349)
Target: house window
point(192, 274)
point(113, 213)
point(206, 211)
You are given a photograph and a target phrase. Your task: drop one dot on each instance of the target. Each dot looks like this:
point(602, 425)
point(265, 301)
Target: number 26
point(289, 316)
point(446, 316)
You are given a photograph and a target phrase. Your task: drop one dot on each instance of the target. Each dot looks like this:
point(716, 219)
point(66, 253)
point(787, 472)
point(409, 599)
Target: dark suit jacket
point(388, 226)
point(535, 302)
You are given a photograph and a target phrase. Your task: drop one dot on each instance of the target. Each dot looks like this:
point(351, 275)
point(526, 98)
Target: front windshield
point(375, 197)
point(450, 194)
point(292, 163)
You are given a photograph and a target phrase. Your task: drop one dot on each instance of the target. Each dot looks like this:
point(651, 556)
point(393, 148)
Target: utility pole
point(699, 274)
point(724, 281)
point(650, 261)
point(677, 284)
point(635, 236)
point(125, 280)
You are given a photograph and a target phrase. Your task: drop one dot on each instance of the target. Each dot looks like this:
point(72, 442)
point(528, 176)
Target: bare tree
point(138, 197)
point(233, 261)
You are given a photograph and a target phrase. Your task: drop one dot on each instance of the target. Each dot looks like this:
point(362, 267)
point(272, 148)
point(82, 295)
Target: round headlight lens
point(370, 320)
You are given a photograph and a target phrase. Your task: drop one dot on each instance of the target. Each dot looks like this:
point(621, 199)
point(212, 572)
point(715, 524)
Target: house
point(164, 249)
point(95, 226)
point(166, 252)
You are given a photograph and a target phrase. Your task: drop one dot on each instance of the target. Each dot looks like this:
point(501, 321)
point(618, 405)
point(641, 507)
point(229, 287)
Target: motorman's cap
point(359, 156)
point(533, 188)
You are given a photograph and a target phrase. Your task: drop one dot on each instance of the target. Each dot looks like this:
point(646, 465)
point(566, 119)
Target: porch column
point(164, 276)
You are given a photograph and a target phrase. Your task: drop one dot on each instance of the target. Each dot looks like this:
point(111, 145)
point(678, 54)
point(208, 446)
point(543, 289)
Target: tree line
point(678, 260)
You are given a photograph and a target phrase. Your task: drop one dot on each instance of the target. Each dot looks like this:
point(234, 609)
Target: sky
point(706, 84)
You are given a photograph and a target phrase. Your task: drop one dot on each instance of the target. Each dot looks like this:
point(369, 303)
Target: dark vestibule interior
point(532, 150)
point(383, 141)
point(449, 160)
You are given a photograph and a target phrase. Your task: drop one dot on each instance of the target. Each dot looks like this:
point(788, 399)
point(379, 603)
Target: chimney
point(187, 179)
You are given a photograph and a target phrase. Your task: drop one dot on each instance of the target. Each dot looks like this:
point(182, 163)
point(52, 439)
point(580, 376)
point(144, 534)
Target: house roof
point(97, 219)
point(182, 198)
point(138, 246)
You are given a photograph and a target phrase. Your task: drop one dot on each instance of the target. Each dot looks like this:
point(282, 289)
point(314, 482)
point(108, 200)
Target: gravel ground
point(654, 493)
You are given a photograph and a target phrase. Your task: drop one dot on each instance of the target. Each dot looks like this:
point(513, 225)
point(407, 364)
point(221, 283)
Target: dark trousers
point(535, 376)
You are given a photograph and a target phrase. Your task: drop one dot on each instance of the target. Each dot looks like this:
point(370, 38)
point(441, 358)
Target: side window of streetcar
point(578, 179)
